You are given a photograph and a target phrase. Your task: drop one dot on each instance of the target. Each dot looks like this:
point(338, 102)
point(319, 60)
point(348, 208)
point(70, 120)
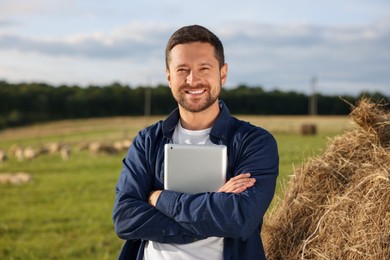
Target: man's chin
point(196, 107)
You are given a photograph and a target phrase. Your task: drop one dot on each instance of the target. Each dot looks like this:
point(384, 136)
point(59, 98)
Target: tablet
point(194, 168)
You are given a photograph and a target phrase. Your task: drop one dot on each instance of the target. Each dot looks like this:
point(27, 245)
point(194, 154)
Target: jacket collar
point(217, 133)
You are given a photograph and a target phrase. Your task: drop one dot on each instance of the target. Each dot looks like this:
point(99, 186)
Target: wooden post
point(313, 98)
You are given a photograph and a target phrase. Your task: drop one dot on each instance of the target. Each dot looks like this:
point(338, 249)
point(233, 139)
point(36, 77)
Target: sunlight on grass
point(65, 211)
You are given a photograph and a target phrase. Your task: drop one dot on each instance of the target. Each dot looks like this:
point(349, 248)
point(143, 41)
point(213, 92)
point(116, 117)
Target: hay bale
point(309, 129)
point(337, 205)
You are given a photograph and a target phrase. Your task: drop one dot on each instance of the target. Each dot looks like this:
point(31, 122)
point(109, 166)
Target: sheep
point(122, 145)
point(15, 179)
point(96, 147)
point(53, 147)
point(30, 153)
point(19, 153)
point(65, 152)
point(3, 156)
point(5, 178)
point(20, 178)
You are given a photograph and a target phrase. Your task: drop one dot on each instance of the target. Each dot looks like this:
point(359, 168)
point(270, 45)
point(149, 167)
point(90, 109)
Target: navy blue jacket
point(183, 218)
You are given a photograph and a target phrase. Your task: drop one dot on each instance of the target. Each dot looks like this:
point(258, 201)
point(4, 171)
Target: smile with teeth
point(195, 92)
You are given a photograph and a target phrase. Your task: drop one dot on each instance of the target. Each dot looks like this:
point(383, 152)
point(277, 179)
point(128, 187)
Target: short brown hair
point(195, 33)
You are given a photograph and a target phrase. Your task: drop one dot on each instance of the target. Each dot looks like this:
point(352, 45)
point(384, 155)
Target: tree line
point(26, 103)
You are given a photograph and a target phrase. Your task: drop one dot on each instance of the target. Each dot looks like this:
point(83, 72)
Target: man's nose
point(193, 78)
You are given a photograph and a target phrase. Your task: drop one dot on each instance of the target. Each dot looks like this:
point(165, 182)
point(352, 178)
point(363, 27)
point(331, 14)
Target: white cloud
point(127, 44)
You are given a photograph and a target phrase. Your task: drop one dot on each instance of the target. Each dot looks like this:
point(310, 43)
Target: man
point(163, 224)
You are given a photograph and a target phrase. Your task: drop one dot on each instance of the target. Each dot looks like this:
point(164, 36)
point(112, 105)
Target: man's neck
point(200, 120)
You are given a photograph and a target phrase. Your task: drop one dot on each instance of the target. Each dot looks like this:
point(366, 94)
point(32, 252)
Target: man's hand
point(238, 184)
point(153, 197)
point(235, 185)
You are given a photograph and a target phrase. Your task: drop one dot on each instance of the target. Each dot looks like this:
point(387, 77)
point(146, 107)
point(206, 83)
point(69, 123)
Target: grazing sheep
point(30, 153)
point(3, 156)
point(15, 179)
point(97, 147)
point(122, 145)
point(82, 146)
point(4, 178)
point(12, 150)
point(65, 152)
point(53, 147)
point(126, 144)
point(117, 145)
point(19, 154)
point(20, 178)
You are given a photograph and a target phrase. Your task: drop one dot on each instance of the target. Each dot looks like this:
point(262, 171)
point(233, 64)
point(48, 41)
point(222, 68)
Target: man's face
point(194, 75)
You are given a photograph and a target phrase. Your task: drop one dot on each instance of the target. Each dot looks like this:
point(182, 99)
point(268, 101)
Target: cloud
point(126, 42)
point(257, 53)
point(292, 54)
point(141, 37)
point(34, 7)
point(5, 23)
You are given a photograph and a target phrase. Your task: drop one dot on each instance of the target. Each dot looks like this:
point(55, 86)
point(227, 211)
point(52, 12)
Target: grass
point(65, 212)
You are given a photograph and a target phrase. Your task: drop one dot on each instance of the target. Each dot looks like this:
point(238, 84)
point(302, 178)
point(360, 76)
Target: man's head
point(196, 69)
point(195, 33)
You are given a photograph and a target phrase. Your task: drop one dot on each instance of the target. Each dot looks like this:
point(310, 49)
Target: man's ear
point(168, 74)
point(223, 72)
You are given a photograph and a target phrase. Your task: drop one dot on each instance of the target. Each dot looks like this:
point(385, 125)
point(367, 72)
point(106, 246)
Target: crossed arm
point(235, 185)
point(171, 217)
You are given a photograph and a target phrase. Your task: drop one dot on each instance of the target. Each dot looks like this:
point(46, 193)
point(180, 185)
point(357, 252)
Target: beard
point(196, 104)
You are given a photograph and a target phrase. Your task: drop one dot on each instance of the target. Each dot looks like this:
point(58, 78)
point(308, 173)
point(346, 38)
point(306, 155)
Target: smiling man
point(195, 76)
point(163, 224)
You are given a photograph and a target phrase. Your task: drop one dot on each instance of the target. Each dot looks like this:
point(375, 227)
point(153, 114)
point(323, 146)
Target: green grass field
point(65, 211)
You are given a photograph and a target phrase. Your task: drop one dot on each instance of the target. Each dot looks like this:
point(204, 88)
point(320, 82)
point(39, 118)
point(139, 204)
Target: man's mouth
point(195, 91)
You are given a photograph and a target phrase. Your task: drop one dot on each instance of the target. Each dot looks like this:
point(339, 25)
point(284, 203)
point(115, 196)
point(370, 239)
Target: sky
point(284, 45)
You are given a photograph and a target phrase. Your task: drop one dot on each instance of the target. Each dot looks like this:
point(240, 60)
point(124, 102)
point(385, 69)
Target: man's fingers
point(241, 176)
point(238, 183)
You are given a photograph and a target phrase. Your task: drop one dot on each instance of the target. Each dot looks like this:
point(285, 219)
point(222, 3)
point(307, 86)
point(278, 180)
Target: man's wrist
point(153, 197)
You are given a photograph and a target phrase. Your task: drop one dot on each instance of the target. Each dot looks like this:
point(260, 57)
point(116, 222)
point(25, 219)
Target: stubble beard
point(196, 105)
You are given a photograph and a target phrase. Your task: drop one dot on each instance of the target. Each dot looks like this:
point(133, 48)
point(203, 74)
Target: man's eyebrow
point(206, 63)
point(181, 65)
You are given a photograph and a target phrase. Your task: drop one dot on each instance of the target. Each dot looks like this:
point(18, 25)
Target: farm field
point(65, 211)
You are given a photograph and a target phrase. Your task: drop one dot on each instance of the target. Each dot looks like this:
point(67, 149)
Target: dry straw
point(337, 205)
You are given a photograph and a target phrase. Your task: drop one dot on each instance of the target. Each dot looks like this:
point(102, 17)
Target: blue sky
point(274, 44)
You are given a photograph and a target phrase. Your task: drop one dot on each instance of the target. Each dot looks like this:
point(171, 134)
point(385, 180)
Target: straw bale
point(337, 205)
point(309, 129)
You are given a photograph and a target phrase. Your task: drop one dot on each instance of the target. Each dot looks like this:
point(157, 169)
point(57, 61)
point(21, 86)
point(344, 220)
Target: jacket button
point(163, 231)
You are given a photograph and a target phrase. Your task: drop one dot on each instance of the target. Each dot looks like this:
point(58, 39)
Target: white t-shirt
point(209, 248)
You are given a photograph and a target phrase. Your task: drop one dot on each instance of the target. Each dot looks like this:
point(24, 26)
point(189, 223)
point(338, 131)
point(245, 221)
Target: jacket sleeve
point(227, 214)
point(133, 217)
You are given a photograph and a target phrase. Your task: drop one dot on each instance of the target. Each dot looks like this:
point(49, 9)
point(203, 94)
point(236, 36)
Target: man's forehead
point(200, 52)
point(203, 45)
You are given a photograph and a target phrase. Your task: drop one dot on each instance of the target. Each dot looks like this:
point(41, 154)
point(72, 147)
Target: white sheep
point(65, 152)
point(19, 154)
point(15, 179)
